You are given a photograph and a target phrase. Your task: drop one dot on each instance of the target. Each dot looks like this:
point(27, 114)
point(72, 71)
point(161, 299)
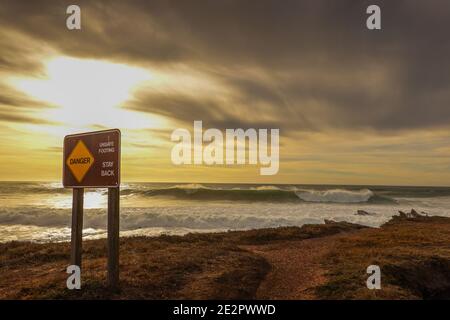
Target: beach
point(318, 261)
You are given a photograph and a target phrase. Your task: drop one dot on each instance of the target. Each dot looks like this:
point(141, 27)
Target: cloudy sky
point(353, 106)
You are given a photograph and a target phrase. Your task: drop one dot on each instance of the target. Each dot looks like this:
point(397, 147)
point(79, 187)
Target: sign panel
point(92, 159)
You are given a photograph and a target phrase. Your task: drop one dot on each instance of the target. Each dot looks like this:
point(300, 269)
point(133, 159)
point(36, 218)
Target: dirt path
point(296, 267)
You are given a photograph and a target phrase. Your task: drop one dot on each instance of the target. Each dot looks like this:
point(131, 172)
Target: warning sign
point(80, 161)
point(92, 159)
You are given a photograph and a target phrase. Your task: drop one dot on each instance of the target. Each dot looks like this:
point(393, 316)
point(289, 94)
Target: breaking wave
point(262, 193)
point(335, 195)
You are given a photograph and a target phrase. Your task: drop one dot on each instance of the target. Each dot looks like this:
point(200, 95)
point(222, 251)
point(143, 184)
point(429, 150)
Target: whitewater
point(41, 211)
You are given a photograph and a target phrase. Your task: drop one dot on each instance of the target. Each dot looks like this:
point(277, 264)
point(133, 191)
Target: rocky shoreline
point(317, 261)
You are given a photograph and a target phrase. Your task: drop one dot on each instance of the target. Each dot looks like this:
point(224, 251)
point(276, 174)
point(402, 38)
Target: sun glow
point(92, 200)
point(89, 93)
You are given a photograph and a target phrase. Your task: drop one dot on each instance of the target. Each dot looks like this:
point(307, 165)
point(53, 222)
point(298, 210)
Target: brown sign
point(92, 159)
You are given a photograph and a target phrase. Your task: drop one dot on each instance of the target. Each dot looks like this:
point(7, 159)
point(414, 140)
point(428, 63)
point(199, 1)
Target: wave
point(195, 191)
point(261, 193)
point(11, 188)
point(193, 217)
point(335, 195)
point(238, 192)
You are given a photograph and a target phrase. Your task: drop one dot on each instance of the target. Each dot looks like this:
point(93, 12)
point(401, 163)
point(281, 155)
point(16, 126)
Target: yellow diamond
point(80, 161)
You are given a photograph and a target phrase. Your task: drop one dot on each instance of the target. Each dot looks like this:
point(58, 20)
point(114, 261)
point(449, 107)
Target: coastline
point(315, 261)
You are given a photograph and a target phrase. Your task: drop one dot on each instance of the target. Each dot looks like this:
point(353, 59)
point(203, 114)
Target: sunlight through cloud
point(89, 92)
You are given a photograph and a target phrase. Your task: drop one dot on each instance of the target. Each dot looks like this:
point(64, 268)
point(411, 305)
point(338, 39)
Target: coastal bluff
point(317, 261)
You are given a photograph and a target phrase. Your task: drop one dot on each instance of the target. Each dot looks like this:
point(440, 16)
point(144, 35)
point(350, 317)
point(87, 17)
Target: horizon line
point(254, 183)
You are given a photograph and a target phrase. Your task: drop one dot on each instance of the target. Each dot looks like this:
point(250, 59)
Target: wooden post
point(113, 237)
point(77, 226)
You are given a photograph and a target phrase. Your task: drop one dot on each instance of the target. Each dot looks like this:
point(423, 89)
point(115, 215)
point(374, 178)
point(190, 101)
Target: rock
point(365, 213)
point(414, 213)
point(411, 215)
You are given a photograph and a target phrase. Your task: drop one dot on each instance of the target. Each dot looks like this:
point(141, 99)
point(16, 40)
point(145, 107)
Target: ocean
point(41, 211)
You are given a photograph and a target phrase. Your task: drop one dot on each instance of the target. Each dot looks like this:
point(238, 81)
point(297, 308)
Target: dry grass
point(413, 254)
point(167, 268)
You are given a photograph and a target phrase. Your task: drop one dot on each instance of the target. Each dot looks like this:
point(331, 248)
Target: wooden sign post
point(113, 237)
point(92, 160)
point(77, 226)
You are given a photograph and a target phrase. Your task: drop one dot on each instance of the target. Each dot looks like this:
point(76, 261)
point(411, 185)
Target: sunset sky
point(353, 106)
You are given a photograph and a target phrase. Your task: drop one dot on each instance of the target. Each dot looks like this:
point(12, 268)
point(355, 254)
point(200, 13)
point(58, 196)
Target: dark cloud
point(17, 55)
point(110, 29)
point(296, 65)
point(13, 100)
point(188, 109)
point(22, 118)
